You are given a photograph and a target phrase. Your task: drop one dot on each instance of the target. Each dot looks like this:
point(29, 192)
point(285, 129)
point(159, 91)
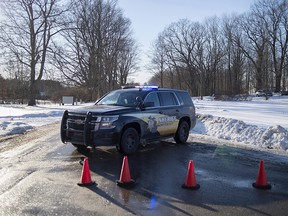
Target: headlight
point(106, 122)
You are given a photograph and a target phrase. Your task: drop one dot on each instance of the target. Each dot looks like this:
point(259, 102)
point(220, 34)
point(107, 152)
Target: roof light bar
point(147, 87)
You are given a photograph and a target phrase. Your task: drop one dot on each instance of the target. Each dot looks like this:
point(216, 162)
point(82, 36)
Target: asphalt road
point(39, 176)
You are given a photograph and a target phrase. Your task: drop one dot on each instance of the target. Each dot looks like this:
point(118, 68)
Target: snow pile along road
point(256, 122)
point(272, 137)
point(18, 119)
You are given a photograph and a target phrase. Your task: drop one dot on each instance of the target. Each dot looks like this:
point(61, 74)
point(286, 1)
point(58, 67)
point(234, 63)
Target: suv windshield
point(120, 98)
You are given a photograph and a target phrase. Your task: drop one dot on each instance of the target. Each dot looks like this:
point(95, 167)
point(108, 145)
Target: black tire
point(129, 141)
point(182, 133)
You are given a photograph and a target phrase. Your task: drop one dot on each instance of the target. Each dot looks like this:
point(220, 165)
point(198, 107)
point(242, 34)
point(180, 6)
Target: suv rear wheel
point(129, 141)
point(182, 133)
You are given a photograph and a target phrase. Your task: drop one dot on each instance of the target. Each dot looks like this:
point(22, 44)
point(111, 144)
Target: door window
point(152, 100)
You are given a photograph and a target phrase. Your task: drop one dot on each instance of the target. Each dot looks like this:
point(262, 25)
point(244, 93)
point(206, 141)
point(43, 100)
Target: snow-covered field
point(259, 122)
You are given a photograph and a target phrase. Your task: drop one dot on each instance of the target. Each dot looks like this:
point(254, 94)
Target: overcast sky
point(150, 17)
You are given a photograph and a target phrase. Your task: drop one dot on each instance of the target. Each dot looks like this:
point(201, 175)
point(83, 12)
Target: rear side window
point(184, 98)
point(167, 98)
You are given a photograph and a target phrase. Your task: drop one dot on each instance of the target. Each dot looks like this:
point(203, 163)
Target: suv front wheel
point(129, 141)
point(182, 133)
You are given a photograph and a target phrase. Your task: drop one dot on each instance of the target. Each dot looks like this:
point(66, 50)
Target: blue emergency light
point(147, 87)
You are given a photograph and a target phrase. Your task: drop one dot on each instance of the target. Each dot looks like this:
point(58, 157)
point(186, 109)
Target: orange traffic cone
point(85, 176)
point(125, 178)
point(190, 182)
point(261, 181)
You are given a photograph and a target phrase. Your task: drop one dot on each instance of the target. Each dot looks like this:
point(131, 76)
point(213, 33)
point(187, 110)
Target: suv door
point(169, 110)
point(151, 116)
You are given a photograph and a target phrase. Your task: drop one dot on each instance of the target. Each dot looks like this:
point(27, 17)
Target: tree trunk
point(32, 94)
point(278, 79)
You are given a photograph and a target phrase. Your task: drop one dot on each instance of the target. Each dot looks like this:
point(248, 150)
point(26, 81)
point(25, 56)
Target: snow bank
point(273, 137)
point(12, 128)
point(19, 119)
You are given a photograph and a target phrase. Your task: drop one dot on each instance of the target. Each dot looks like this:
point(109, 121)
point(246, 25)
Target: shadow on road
point(225, 174)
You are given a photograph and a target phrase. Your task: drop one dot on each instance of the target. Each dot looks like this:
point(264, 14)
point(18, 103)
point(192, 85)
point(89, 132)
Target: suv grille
point(78, 127)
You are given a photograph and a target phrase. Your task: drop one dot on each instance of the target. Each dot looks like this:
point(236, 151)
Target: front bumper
point(83, 129)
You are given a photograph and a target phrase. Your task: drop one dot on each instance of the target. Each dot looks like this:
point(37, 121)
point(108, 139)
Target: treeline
point(235, 54)
point(16, 91)
point(89, 45)
point(84, 43)
point(99, 51)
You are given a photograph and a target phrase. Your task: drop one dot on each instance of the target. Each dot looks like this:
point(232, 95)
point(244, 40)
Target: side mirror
point(149, 104)
point(139, 102)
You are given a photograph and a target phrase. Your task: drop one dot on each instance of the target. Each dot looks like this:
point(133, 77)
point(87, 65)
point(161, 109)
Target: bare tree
point(254, 43)
point(274, 14)
point(158, 60)
point(235, 58)
point(127, 62)
point(232, 55)
point(27, 31)
point(184, 44)
point(3, 89)
point(99, 52)
point(214, 54)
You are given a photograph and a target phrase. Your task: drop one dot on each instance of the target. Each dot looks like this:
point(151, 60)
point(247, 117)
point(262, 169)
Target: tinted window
point(152, 100)
point(168, 98)
point(184, 98)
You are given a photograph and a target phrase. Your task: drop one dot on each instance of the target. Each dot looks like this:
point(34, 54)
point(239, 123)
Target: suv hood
point(104, 109)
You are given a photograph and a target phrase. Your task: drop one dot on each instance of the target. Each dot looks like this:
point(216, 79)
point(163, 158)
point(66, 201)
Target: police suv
point(131, 116)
